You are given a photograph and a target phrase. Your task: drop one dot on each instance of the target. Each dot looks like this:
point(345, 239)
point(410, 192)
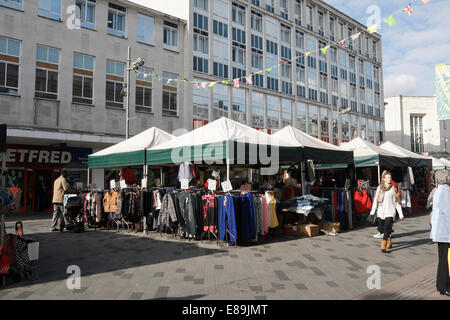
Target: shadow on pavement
point(407, 244)
point(193, 297)
point(97, 252)
point(400, 235)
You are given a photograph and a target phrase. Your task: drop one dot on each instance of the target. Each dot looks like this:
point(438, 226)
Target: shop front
point(33, 169)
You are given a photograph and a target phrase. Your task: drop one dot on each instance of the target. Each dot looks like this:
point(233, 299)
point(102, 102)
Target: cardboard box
point(310, 230)
point(327, 226)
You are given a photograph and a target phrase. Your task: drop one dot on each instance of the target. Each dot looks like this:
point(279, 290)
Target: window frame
point(116, 12)
point(83, 22)
point(84, 75)
point(146, 21)
point(47, 12)
point(46, 94)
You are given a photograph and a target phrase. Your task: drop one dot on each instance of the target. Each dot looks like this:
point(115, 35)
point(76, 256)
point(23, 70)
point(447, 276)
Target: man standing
point(59, 188)
point(440, 226)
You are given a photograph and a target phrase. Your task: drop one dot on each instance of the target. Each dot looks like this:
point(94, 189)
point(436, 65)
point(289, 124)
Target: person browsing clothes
point(386, 203)
point(60, 187)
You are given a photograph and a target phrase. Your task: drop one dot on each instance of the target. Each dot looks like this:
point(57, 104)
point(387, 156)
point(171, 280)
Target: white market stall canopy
point(310, 148)
point(368, 154)
point(414, 159)
point(218, 140)
point(438, 164)
point(446, 161)
point(130, 152)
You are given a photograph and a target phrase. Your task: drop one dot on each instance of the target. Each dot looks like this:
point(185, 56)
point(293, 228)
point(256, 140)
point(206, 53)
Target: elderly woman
point(440, 229)
point(385, 204)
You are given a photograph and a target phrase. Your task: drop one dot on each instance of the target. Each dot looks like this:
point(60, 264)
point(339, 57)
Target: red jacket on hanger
point(362, 202)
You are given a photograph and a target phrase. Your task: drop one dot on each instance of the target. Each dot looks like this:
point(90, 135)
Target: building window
point(332, 29)
point(200, 22)
point(324, 123)
point(301, 92)
point(239, 110)
point(257, 42)
point(238, 14)
point(116, 20)
point(416, 127)
point(9, 65)
point(256, 21)
point(221, 101)
point(50, 9)
point(200, 43)
point(144, 90)
point(87, 13)
point(309, 18)
point(273, 112)
point(272, 84)
point(83, 78)
point(201, 4)
point(220, 70)
point(220, 28)
point(239, 73)
point(300, 40)
point(284, 9)
point(321, 28)
point(285, 34)
point(257, 61)
point(170, 35)
point(15, 4)
point(298, 13)
point(145, 25)
point(200, 64)
point(239, 35)
point(271, 47)
point(170, 96)
point(47, 67)
point(238, 55)
point(314, 120)
point(301, 74)
point(270, 6)
point(200, 99)
point(257, 110)
point(115, 72)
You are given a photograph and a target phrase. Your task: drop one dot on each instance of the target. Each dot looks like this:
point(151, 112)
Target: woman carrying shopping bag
point(386, 203)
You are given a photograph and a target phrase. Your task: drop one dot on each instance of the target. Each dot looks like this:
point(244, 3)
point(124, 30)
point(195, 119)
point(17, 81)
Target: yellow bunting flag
point(324, 50)
point(211, 84)
point(372, 29)
point(308, 53)
point(390, 21)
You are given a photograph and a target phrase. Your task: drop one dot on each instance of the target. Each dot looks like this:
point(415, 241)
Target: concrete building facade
point(62, 72)
point(228, 39)
point(412, 122)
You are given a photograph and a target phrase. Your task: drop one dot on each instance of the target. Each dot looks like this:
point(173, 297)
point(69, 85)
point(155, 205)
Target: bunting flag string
point(248, 78)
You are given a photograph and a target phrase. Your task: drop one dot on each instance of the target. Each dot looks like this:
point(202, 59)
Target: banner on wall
point(443, 91)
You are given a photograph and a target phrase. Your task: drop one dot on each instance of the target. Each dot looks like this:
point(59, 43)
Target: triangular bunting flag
point(408, 10)
point(204, 85)
point(155, 76)
point(342, 42)
point(145, 75)
point(425, 1)
point(356, 36)
point(169, 81)
point(211, 84)
point(249, 79)
point(225, 82)
point(258, 72)
point(176, 80)
point(185, 79)
point(390, 21)
point(270, 69)
point(236, 83)
point(324, 50)
point(197, 84)
point(308, 53)
point(372, 29)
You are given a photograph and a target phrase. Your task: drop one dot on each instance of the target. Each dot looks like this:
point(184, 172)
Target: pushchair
point(73, 213)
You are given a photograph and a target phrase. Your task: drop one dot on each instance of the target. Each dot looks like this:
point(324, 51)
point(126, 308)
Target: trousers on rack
point(227, 217)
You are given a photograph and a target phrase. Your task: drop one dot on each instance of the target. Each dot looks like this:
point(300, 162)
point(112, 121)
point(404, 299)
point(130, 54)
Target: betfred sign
point(43, 156)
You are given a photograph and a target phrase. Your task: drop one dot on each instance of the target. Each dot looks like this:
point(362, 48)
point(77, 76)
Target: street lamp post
point(126, 92)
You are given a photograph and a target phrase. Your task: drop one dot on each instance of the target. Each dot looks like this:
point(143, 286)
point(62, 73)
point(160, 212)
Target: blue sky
point(412, 46)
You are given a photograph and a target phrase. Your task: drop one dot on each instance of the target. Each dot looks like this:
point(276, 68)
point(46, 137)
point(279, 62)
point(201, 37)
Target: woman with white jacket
point(386, 203)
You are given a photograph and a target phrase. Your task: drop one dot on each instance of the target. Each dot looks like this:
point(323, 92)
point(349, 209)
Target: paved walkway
point(121, 265)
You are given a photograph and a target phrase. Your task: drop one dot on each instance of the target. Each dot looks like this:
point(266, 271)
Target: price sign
point(144, 183)
point(123, 184)
point(184, 184)
point(212, 185)
point(112, 184)
point(226, 186)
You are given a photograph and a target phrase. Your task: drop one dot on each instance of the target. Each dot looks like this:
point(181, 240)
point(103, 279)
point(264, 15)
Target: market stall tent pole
point(302, 168)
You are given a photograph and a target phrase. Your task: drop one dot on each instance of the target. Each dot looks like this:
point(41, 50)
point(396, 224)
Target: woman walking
point(386, 203)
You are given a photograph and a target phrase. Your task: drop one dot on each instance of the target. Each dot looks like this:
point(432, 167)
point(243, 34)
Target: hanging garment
point(227, 218)
point(362, 202)
point(406, 199)
point(259, 214)
point(411, 176)
point(265, 214)
point(248, 218)
point(270, 198)
point(210, 210)
point(98, 207)
point(185, 171)
point(167, 212)
point(110, 201)
point(348, 208)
